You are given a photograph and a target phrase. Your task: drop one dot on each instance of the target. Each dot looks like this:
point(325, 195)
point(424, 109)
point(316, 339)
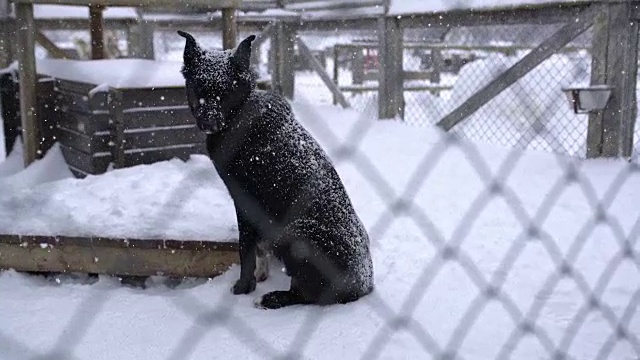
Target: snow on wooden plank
point(116, 256)
point(115, 73)
point(49, 11)
point(403, 7)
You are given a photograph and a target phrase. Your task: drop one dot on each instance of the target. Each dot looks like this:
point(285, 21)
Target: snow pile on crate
point(166, 200)
point(114, 73)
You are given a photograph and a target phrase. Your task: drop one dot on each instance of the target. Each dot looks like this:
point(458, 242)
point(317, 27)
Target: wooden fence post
point(96, 27)
point(336, 69)
point(614, 63)
point(116, 126)
point(436, 68)
point(229, 28)
point(26, 27)
point(357, 64)
point(390, 92)
point(283, 72)
point(141, 39)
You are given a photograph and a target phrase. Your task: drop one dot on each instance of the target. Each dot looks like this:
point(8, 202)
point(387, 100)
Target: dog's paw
point(275, 300)
point(244, 286)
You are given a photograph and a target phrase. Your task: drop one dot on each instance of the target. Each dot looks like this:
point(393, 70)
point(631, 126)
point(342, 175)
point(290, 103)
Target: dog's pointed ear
point(191, 48)
point(242, 55)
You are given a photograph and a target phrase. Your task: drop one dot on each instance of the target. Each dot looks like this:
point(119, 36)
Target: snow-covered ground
point(446, 183)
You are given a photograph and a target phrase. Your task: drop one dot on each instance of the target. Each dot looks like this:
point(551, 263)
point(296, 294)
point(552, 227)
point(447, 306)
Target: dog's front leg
point(248, 240)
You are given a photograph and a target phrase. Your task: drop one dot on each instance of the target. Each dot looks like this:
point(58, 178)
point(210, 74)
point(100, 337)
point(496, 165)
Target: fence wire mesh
point(470, 57)
point(501, 267)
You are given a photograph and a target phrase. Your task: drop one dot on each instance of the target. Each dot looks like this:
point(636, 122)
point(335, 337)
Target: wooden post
point(614, 63)
point(390, 92)
point(336, 69)
point(26, 28)
point(96, 26)
point(282, 45)
point(436, 68)
point(229, 28)
point(116, 125)
point(357, 64)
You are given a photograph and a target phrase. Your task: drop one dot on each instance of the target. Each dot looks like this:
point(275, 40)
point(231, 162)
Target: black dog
point(288, 197)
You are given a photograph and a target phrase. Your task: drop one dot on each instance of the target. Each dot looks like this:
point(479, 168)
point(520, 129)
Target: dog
point(288, 197)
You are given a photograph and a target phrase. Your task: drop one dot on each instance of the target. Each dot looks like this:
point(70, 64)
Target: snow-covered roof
point(80, 12)
point(402, 7)
point(115, 73)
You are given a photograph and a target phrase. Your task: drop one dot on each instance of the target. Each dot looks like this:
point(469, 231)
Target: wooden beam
point(517, 15)
point(547, 48)
point(317, 67)
point(116, 256)
point(282, 54)
point(229, 28)
point(598, 75)
point(332, 5)
point(51, 47)
point(614, 63)
point(357, 70)
point(367, 88)
point(96, 29)
point(390, 95)
point(167, 4)
point(28, 84)
point(328, 24)
point(81, 24)
point(336, 69)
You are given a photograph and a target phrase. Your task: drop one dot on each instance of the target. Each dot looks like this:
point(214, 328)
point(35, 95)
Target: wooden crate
point(123, 257)
point(10, 105)
point(125, 127)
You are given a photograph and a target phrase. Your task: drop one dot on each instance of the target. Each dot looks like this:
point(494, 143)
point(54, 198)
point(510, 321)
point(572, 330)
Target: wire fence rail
point(532, 112)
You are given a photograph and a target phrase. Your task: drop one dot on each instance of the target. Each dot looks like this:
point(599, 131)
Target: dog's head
point(217, 82)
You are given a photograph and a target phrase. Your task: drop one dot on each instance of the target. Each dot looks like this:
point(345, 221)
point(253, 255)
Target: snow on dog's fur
point(288, 197)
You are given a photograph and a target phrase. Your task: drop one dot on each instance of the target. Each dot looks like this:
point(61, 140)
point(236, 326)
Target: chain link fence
point(470, 57)
point(444, 67)
point(506, 263)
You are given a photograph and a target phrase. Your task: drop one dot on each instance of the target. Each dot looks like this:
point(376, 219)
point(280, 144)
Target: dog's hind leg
point(262, 264)
point(278, 299)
